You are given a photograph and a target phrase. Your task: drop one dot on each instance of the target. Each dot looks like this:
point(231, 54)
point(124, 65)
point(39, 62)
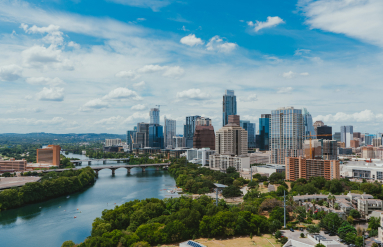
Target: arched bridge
point(79, 162)
point(114, 168)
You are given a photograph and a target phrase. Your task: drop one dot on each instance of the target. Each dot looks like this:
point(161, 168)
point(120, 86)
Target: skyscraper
point(264, 133)
point(229, 106)
point(308, 123)
point(317, 124)
point(169, 131)
point(204, 137)
point(154, 116)
point(286, 134)
point(156, 136)
point(250, 128)
point(142, 135)
point(346, 134)
point(324, 132)
point(231, 139)
point(189, 129)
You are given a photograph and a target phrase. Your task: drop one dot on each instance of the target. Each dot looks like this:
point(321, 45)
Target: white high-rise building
point(154, 116)
point(347, 134)
point(169, 132)
point(286, 134)
point(112, 142)
point(231, 139)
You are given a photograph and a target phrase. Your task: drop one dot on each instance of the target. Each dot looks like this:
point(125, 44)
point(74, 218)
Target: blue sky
point(98, 66)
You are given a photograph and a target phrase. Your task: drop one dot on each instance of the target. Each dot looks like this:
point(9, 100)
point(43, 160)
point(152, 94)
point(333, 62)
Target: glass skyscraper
point(264, 133)
point(308, 123)
point(189, 129)
point(250, 128)
point(154, 116)
point(229, 106)
point(156, 136)
point(286, 134)
point(346, 135)
point(169, 132)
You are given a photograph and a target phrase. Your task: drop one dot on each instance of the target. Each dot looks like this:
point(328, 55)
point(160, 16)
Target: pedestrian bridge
point(79, 162)
point(114, 168)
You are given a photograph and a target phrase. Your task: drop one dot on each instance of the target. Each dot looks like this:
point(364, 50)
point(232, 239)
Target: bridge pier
point(96, 173)
point(104, 162)
point(143, 169)
point(118, 161)
point(89, 162)
point(157, 168)
point(128, 169)
point(113, 171)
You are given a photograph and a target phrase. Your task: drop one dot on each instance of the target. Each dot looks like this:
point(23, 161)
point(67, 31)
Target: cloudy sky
point(98, 66)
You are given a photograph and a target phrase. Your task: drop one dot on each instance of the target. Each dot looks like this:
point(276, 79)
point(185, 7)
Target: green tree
point(313, 229)
point(278, 234)
point(68, 243)
point(350, 219)
point(231, 191)
point(281, 190)
point(344, 229)
point(320, 245)
point(141, 244)
point(331, 222)
point(354, 214)
point(253, 183)
point(374, 223)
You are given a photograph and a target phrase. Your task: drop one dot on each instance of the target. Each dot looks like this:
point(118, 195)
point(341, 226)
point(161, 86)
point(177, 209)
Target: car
point(291, 229)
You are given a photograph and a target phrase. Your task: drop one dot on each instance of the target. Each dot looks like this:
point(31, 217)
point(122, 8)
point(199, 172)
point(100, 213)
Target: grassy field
point(238, 242)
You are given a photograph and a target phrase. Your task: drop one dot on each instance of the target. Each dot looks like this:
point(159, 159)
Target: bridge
point(79, 162)
point(114, 168)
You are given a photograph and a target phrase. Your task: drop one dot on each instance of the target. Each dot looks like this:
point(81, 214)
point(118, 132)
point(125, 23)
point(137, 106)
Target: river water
point(52, 222)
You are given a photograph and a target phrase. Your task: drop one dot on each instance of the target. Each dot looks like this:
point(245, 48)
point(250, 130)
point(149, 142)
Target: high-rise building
point(368, 139)
point(299, 167)
point(229, 106)
point(203, 121)
point(49, 155)
point(156, 136)
point(142, 135)
point(377, 142)
point(12, 165)
point(308, 123)
point(231, 139)
point(337, 137)
point(112, 142)
point(130, 137)
point(324, 132)
point(250, 128)
point(178, 141)
point(354, 143)
point(234, 119)
point(317, 124)
point(368, 152)
point(154, 116)
point(346, 134)
point(286, 134)
point(264, 133)
point(169, 131)
point(204, 137)
point(357, 135)
point(189, 129)
point(321, 149)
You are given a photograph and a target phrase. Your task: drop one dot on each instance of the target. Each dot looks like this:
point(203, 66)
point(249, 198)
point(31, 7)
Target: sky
point(81, 66)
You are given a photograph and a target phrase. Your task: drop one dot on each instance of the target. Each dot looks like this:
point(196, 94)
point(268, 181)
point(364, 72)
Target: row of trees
point(52, 185)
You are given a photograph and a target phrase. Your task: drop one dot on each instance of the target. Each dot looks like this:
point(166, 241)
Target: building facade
point(346, 135)
point(154, 115)
point(231, 139)
point(142, 136)
point(308, 124)
point(189, 128)
point(222, 162)
point(337, 136)
point(204, 137)
point(263, 139)
point(317, 124)
point(156, 136)
point(130, 137)
point(250, 128)
point(286, 134)
point(368, 152)
point(204, 121)
point(169, 131)
point(324, 132)
point(377, 142)
point(199, 156)
point(178, 142)
point(229, 106)
point(298, 167)
point(49, 155)
point(112, 142)
point(12, 165)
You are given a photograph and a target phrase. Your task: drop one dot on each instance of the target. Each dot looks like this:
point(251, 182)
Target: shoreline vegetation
point(52, 185)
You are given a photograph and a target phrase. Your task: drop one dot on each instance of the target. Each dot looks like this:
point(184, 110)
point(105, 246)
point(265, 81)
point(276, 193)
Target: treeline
point(335, 186)
point(20, 151)
point(171, 220)
point(51, 185)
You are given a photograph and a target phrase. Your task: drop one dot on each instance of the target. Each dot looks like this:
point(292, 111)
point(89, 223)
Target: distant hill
point(50, 138)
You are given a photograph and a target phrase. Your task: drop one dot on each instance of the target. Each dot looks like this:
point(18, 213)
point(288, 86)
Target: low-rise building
point(223, 161)
point(368, 152)
point(260, 157)
point(12, 165)
point(367, 206)
point(362, 170)
point(298, 167)
point(268, 169)
point(199, 156)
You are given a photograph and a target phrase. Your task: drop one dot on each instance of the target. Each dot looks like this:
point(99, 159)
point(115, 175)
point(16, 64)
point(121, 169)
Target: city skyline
point(67, 70)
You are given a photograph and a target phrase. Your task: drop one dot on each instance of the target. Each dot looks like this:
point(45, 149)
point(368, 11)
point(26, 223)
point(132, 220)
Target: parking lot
point(296, 235)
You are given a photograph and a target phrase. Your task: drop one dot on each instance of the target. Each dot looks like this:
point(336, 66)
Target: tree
point(331, 222)
point(253, 184)
point(276, 176)
point(331, 198)
point(68, 243)
point(345, 229)
point(281, 190)
point(141, 244)
point(302, 235)
point(231, 191)
point(350, 219)
point(313, 229)
point(230, 170)
point(354, 214)
point(278, 234)
point(237, 183)
point(319, 245)
point(374, 223)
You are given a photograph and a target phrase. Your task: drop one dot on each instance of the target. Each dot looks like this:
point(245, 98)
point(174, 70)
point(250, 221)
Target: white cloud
point(285, 90)
point(42, 57)
point(24, 110)
point(270, 22)
point(139, 85)
point(139, 107)
point(194, 93)
point(300, 52)
point(51, 94)
point(128, 74)
point(35, 29)
point(169, 71)
point(252, 97)
point(363, 116)
point(155, 5)
point(290, 74)
point(141, 19)
point(217, 44)
point(151, 68)
point(355, 18)
point(74, 45)
point(94, 104)
point(304, 73)
point(273, 59)
point(119, 120)
point(184, 29)
point(191, 40)
point(122, 93)
point(44, 81)
point(10, 72)
point(33, 121)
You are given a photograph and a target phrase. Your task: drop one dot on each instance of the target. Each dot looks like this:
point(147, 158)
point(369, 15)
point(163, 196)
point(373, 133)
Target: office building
point(199, 156)
point(142, 136)
point(229, 106)
point(169, 132)
point(260, 157)
point(234, 119)
point(344, 151)
point(113, 142)
point(321, 149)
point(354, 143)
point(317, 124)
point(231, 139)
point(368, 152)
point(203, 121)
point(178, 142)
point(361, 169)
point(337, 136)
point(286, 134)
point(189, 129)
point(12, 165)
point(346, 134)
point(154, 115)
point(49, 155)
point(357, 135)
point(324, 132)
point(264, 133)
point(130, 137)
point(268, 169)
point(308, 124)
point(156, 136)
point(368, 139)
point(298, 167)
point(377, 142)
point(250, 128)
point(222, 162)
point(204, 137)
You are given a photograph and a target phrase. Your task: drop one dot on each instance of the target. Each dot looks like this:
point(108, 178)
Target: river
point(52, 222)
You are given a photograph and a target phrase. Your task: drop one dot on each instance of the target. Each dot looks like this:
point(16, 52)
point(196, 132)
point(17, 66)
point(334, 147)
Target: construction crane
point(311, 149)
point(160, 106)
